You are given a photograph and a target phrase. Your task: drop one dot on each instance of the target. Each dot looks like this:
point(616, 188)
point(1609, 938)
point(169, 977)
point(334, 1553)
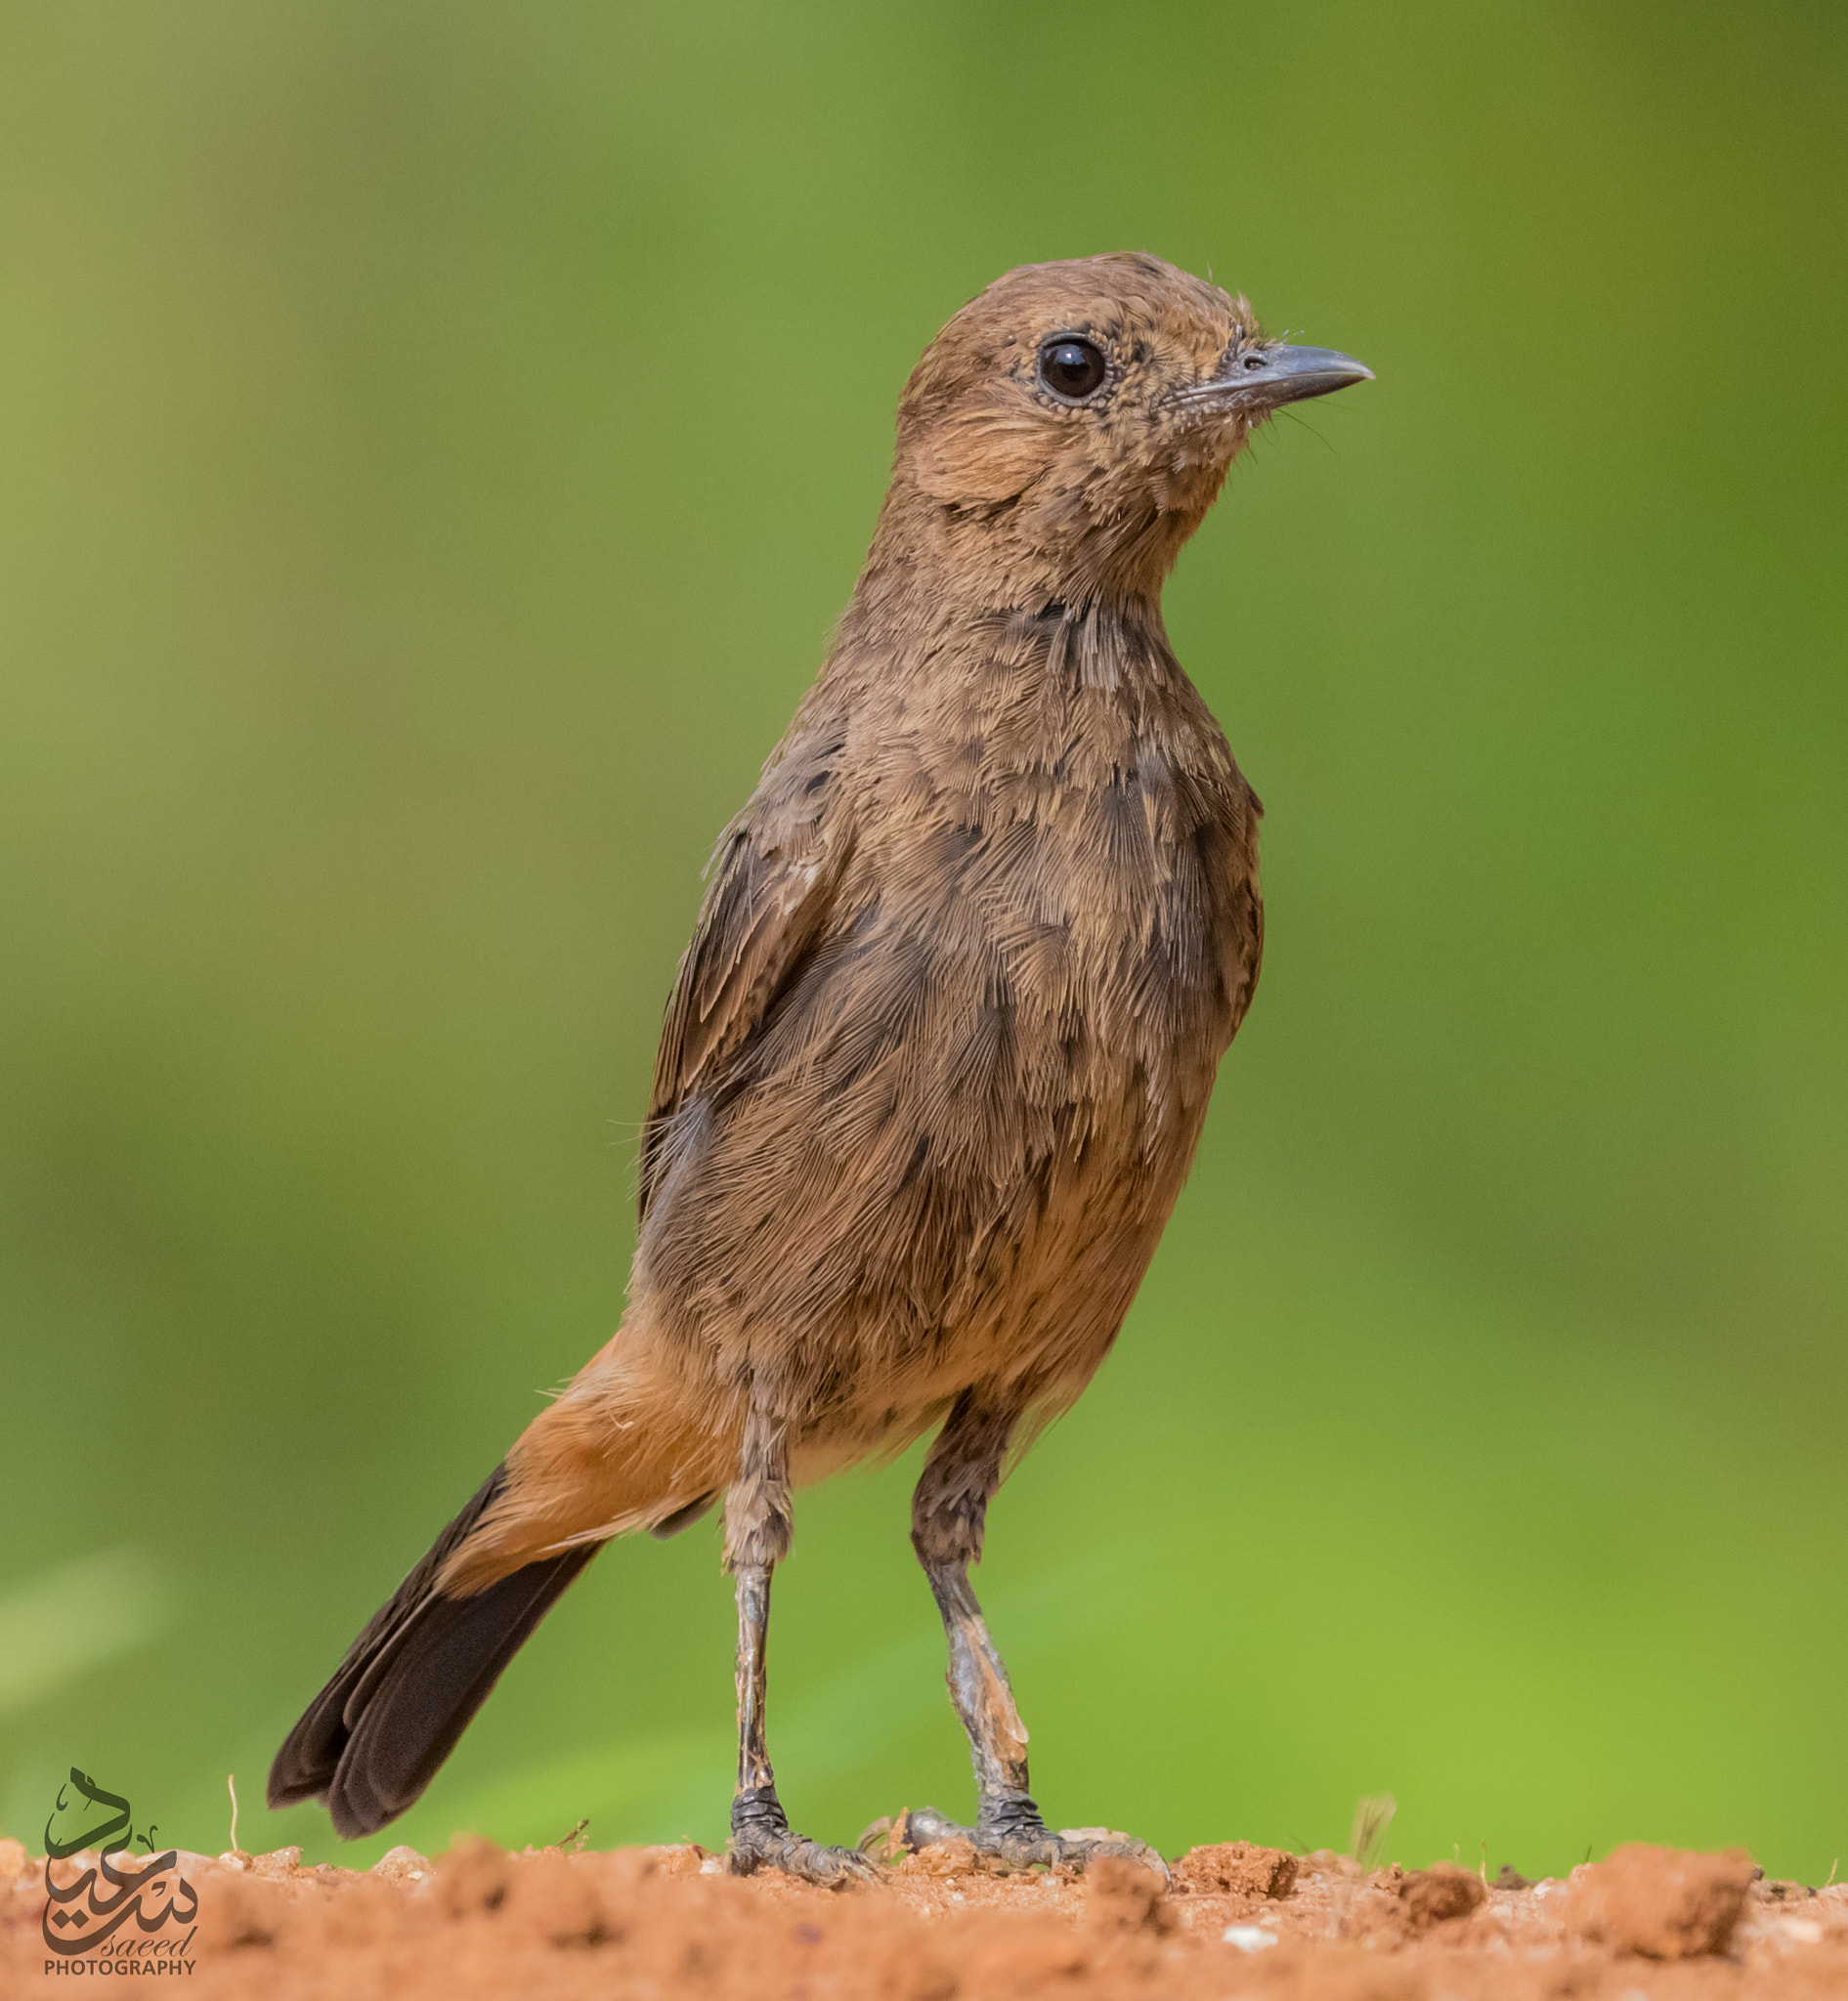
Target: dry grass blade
point(1373, 1816)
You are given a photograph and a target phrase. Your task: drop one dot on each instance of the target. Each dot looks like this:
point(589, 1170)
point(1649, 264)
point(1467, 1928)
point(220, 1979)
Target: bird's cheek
point(978, 456)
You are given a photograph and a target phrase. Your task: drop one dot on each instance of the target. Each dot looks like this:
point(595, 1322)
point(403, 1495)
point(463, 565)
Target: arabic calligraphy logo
point(89, 1912)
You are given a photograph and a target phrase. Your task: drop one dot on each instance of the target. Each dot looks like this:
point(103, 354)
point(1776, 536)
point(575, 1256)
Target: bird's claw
point(1009, 1840)
point(762, 1839)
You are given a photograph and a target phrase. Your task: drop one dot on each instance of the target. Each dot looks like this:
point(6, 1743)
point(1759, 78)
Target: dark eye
point(1071, 367)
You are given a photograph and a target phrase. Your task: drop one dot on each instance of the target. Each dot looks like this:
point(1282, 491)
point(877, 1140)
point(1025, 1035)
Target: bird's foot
point(1009, 1834)
point(762, 1839)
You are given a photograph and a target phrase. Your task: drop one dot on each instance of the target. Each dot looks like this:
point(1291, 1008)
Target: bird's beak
point(1280, 374)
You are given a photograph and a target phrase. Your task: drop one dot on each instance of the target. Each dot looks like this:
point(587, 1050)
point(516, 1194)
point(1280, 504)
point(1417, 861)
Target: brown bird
point(937, 1057)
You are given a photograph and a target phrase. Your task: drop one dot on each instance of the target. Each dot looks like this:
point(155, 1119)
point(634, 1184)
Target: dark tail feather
point(374, 1737)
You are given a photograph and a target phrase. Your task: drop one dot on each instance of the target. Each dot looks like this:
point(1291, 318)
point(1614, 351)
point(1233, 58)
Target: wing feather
point(772, 887)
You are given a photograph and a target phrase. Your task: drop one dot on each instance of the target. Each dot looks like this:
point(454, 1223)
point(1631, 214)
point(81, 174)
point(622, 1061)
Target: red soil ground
point(662, 1924)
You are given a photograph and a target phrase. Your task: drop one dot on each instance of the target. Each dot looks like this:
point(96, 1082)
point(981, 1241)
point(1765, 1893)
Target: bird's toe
point(1079, 1847)
point(791, 1853)
point(1013, 1840)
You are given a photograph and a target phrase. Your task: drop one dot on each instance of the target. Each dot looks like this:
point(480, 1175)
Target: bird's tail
point(376, 1734)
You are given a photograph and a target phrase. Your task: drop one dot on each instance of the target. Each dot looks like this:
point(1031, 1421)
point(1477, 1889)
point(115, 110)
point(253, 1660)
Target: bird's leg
point(947, 1517)
point(757, 1532)
point(1007, 1817)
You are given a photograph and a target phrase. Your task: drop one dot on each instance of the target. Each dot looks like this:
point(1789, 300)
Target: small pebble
point(1248, 1938)
point(403, 1862)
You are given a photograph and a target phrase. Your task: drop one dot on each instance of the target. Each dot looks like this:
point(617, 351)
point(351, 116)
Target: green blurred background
point(435, 441)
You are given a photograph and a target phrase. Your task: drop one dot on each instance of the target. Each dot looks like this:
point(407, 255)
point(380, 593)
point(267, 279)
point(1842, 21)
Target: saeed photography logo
point(120, 1914)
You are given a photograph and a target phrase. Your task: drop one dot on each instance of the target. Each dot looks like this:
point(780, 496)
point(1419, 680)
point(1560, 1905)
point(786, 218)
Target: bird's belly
point(1077, 1129)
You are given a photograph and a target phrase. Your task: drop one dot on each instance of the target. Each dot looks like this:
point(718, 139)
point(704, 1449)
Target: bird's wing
point(773, 882)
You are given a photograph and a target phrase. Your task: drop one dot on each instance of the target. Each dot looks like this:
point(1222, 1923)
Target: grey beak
point(1267, 376)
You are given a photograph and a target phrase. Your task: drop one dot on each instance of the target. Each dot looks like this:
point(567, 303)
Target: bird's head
point(1068, 429)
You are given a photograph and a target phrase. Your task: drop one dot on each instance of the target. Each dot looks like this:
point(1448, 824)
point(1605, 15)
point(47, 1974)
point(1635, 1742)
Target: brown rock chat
point(938, 1055)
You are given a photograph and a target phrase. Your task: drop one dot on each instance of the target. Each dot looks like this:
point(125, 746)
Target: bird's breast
point(1086, 942)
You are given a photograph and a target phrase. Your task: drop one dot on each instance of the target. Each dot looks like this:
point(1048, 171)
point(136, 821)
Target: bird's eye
point(1071, 367)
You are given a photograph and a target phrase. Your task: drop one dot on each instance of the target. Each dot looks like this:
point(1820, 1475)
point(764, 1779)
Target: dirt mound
point(1436, 1895)
point(1664, 1902)
point(1237, 1866)
point(1234, 1919)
